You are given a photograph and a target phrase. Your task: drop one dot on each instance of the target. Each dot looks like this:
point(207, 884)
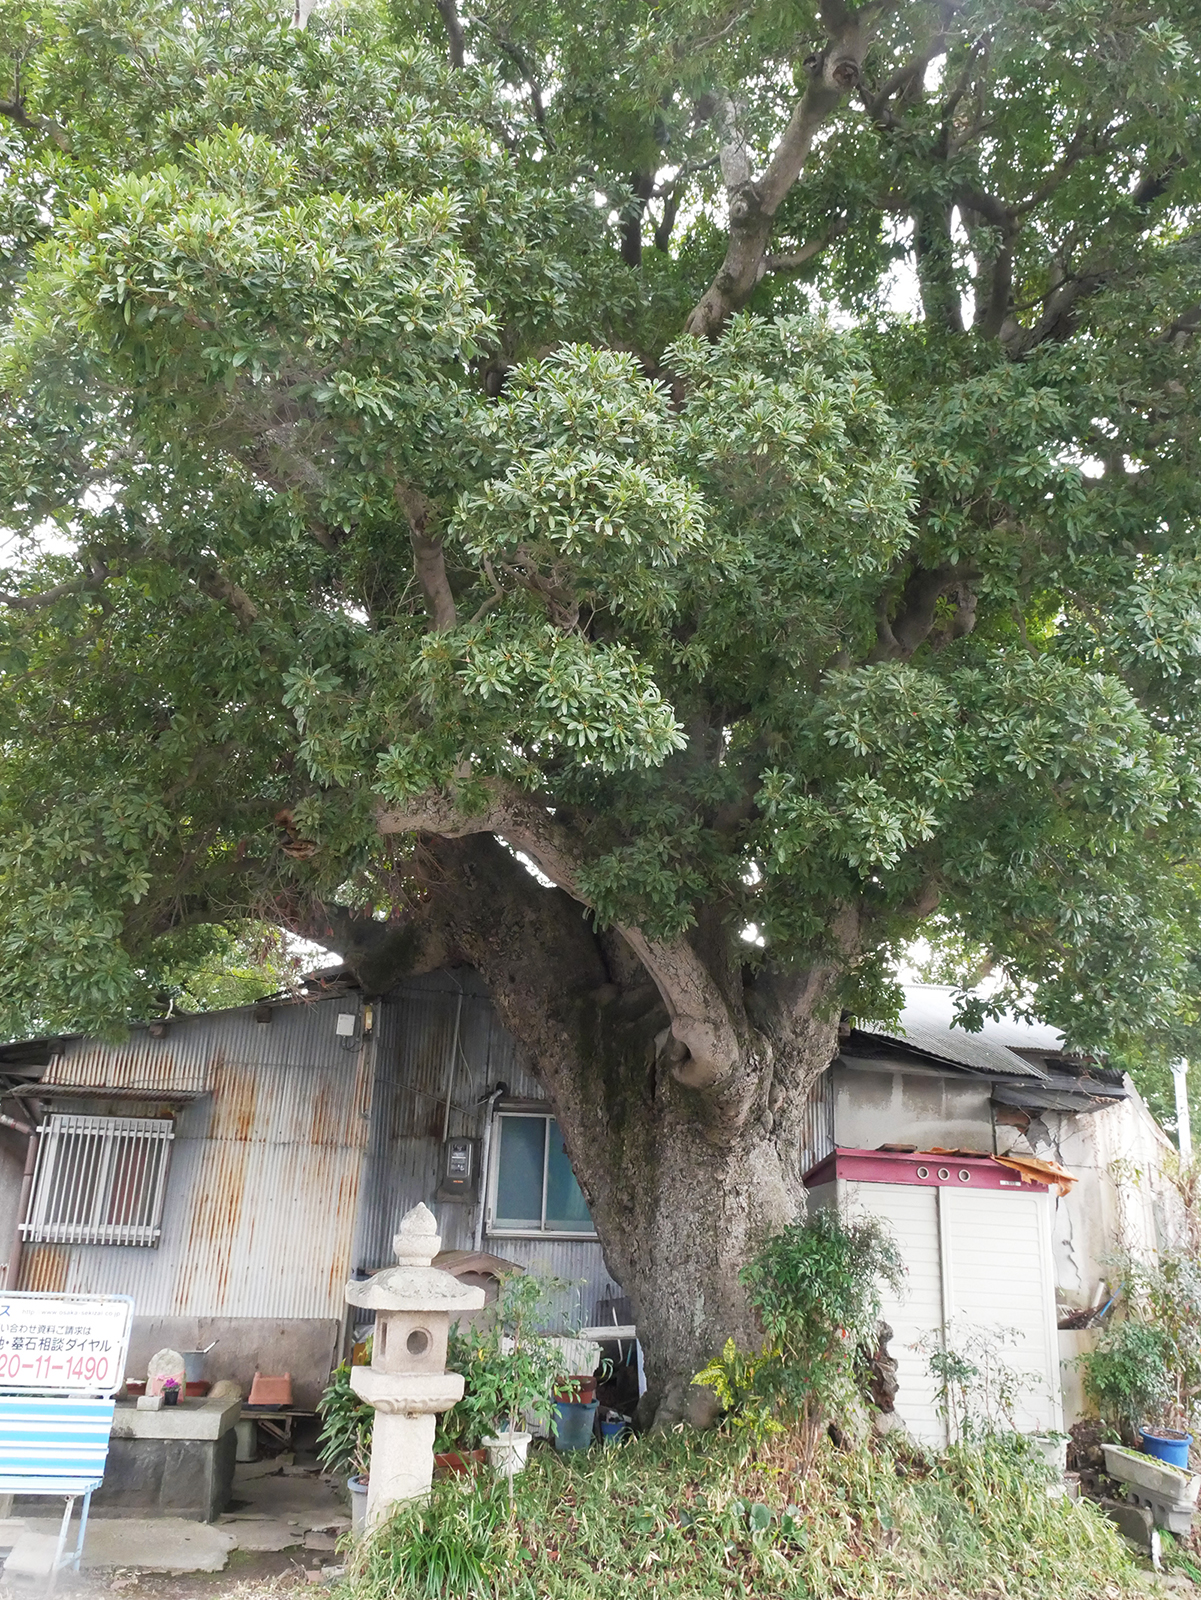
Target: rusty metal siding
point(403, 1161)
point(299, 1159)
point(178, 1064)
point(578, 1264)
point(265, 1176)
point(413, 1053)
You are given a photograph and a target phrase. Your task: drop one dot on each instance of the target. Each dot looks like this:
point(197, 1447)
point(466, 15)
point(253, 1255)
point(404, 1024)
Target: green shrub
point(451, 1544)
point(816, 1289)
point(976, 1389)
point(1127, 1376)
point(507, 1367)
point(683, 1516)
point(344, 1444)
point(1167, 1299)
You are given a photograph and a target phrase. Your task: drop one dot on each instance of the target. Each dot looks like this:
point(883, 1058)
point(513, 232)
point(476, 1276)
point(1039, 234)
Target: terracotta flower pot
point(579, 1390)
point(458, 1461)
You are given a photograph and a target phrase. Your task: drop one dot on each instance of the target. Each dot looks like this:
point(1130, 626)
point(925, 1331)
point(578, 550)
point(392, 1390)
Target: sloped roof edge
point(927, 1025)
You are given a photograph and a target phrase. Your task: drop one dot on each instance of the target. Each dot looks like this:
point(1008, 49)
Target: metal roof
point(927, 1024)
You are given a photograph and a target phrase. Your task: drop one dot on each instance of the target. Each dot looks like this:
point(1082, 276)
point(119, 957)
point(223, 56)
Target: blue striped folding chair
point(55, 1445)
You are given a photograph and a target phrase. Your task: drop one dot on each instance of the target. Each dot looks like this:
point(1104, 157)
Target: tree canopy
point(743, 456)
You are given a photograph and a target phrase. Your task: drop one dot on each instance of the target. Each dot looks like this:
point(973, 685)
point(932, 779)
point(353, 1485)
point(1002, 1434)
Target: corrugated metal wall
point(415, 1048)
point(265, 1170)
point(180, 1062)
point(293, 1166)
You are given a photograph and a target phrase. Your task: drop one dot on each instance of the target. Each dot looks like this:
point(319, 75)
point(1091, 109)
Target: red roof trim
point(927, 1170)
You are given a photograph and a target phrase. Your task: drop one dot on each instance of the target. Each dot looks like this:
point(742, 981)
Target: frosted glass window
point(534, 1188)
point(566, 1208)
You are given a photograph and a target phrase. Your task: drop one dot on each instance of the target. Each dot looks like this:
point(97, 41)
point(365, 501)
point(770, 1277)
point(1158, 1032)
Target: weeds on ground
point(682, 1517)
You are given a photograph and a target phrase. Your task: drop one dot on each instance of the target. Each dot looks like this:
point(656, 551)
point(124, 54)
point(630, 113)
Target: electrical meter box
point(460, 1161)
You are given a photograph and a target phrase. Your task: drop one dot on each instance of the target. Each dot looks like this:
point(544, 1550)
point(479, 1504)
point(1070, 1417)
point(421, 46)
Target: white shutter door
point(998, 1274)
point(912, 1216)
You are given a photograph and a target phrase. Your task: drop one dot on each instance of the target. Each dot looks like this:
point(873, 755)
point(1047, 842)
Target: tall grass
point(684, 1517)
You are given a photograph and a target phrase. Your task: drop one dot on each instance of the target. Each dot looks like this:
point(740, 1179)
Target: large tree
point(738, 459)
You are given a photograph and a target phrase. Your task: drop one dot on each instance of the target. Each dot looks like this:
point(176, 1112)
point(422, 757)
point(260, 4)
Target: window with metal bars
point(99, 1180)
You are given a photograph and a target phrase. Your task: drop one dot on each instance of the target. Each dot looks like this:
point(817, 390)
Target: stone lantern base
point(402, 1439)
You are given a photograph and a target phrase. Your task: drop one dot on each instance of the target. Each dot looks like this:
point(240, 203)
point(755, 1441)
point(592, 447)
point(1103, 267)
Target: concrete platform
point(151, 1544)
point(276, 1510)
point(263, 1533)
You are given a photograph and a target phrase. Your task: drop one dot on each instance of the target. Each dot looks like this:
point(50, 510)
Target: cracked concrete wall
point(1123, 1201)
point(877, 1104)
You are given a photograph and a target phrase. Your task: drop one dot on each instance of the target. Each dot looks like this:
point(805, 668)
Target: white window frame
point(82, 1164)
point(495, 1143)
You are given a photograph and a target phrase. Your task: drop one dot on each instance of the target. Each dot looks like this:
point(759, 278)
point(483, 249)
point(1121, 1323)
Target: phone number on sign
point(16, 1367)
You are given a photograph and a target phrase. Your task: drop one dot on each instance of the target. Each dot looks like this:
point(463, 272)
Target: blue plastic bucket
point(611, 1431)
point(573, 1424)
point(1168, 1445)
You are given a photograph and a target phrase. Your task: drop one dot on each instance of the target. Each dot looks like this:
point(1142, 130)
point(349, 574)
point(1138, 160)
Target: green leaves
point(806, 619)
point(816, 1290)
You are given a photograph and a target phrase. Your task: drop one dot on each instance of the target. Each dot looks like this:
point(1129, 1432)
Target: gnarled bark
point(682, 1188)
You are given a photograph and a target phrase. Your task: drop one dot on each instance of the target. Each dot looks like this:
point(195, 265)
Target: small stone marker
point(164, 1364)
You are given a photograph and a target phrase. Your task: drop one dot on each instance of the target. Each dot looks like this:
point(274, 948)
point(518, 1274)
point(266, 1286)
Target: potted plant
point(509, 1373)
point(170, 1391)
point(344, 1444)
point(1052, 1447)
point(457, 1446)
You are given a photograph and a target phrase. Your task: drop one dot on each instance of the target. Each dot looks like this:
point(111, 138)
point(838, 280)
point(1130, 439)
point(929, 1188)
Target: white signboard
point(63, 1343)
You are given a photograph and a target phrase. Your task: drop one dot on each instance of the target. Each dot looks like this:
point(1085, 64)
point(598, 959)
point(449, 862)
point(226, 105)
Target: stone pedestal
point(173, 1463)
point(407, 1384)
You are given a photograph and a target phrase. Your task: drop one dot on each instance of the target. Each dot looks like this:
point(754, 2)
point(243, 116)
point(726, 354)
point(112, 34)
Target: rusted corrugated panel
point(264, 1180)
point(272, 1217)
point(186, 1058)
point(44, 1268)
point(179, 1064)
point(148, 1275)
point(270, 1232)
point(577, 1264)
point(415, 1048)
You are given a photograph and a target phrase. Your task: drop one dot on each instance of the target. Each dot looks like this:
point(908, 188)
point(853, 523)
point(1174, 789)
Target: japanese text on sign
point(68, 1344)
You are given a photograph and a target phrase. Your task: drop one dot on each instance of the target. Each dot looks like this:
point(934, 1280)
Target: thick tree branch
point(642, 187)
point(520, 61)
point(15, 111)
point(1059, 314)
point(898, 637)
point(665, 227)
point(87, 582)
point(994, 279)
point(754, 203)
point(428, 560)
point(218, 586)
point(700, 1018)
point(449, 12)
point(791, 261)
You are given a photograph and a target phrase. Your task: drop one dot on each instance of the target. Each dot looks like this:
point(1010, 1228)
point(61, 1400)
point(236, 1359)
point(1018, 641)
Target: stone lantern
point(407, 1383)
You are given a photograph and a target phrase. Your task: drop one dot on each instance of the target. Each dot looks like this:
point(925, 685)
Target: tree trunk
point(681, 1189)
